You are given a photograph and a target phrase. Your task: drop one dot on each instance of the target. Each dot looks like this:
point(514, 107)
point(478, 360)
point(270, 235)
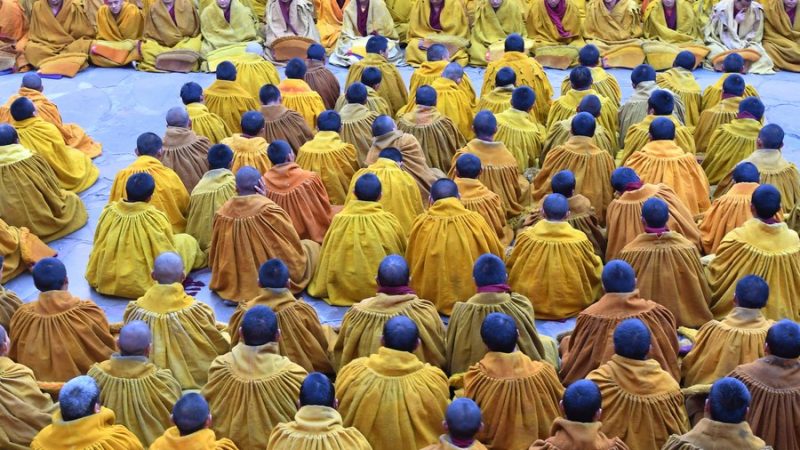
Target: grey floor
point(116, 105)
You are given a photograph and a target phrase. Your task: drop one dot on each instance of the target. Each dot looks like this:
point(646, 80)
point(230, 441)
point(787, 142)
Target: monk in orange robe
point(59, 38)
point(462, 422)
point(120, 26)
point(184, 152)
point(249, 147)
point(297, 94)
point(734, 141)
point(280, 122)
point(192, 418)
point(452, 101)
point(14, 28)
point(637, 107)
point(228, 99)
point(318, 76)
point(20, 249)
point(477, 197)
point(172, 39)
point(731, 210)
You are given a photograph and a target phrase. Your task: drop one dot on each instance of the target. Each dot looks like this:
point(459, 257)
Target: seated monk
point(477, 197)
point(9, 303)
point(720, 114)
point(437, 22)
point(399, 192)
point(204, 122)
point(362, 324)
point(365, 21)
point(329, 15)
point(185, 336)
point(227, 98)
point(250, 228)
point(733, 64)
point(556, 29)
point(636, 108)
point(33, 199)
point(780, 36)
point(494, 20)
point(297, 94)
point(498, 99)
point(407, 395)
point(660, 104)
point(288, 20)
point(737, 26)
point(171, 196)
point(59, 37)
point(522, 135)
point(547, 251)
point(385, 134)
point(447, 228)
point(359, 237)
point(731, 209)
point(630, 381)
point(146, 414)
point(591, 166)
point(326, 154)
point(212, 191)
point(227, 27)
point(70, 334)
point(462, 422)
point(656, 255)
point(130, 234)
point(680, 80)
point(73, 134)
point(73, 168)
point(623, 217)
point(436, 132)
point(465, 345)
point(192, 421)
point(437, 58)
point(20, 250)
point(317, 423)
point(564, 107)
point(299, 192)
point(25, 408)
point(561, 131)
point(319, 77)
point(253, 70)
point(501, 173)
point(120, 26)
point(663, 161)
point(519, 395)
point(734, 141)
point(249, 147)
point(615, 28)
point(591, 343)
point(371, 78)
point(281, 123)
point(603, 82)
point(725, 424)
point(451, 100)
point(81, 422)
point(183, 151)
point(357, 119)
point(172, 39)
point(773, 380)
point(253, 388)
point(762, 247)
point(671, 26)
point(14, 27)
point(302, 340)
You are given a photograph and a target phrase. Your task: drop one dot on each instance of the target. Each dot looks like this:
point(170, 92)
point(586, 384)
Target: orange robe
point(248, 151)
point(14, 26)
point(477, 197)
point(323, 81)
point(117, 36)
point(203, 439)
point(318, 427)
point(302, 195)
point(21, 250)
point(582, 216)
point(297, 95)
point(59, 44)
point(24, 408)
point(529, 73)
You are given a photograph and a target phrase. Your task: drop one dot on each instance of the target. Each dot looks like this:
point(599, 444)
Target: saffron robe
point(334, 161)
point(281, 123)
point(375, 102)
point(665, 41)
point(21, 249)
point(603, 83)
point(317, 427)
point(726, 213)
point(709, 433)
point(683, 83)
point(436, 133)
point(212, 191)
point(302, 195)
point(477, 197)
point(248, 151)
point(452, 102)
point(638, 135)
point(713, 118)
point(730, 143)
point(712, 94)
point(297, 95)
point(356, 30)
point(413, 158)
point(229, 100)
point(253, 72)
point(14, 24)
point(491, 26)
point(164, 35)
point(453, 30)
point(59, 43)
point(529, 73)
point(204, 439)
point(329, 16)
point(616, 33)
point(356, 129)
point(117, 36)
point(96, 431)
point(186, 154)
point(522, 136)
point(206, 123)
point(582, 217)
point(226, 33)
point(560, 131)
point(565, 107)
point(25, 409)
point(781, 36)
point(428, 72)
point(554, 49)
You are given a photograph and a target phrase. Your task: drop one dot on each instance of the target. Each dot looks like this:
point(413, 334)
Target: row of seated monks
point(60, 37)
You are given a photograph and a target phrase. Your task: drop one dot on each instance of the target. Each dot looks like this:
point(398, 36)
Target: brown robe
point(320, 79)
point(282, 123)
point(187, 154)
point(568, 435)
point(302, 195)
point(436, 133)
point(710, 434)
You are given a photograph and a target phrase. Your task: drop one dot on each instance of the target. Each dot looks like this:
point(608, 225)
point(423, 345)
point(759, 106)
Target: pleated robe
point(712, 94)
point(96, 431)
point(638, 136)
point(712, 119)
point(781, 36)
point(564, 107)
point(522, 136)
point(392, 87)
point(25, 409)
point(186, 154)
point(253, 72)
point(709, 433)
point(281, 123)
point(248, 151)
point(21, 249)
point(436, 133)
point(496, 100)
point(375, 103)
point(323, 81)
point(636, 108)
point(582, 217)
point(302, 195)
point(164, 35)
point(683, 83)
point(477, 197)
point(453, 30)
point(356, 130)
point(413, 158)
point(229, 100)
point(204, 439)
point(211, 192)
point(428, 72)
point(317, 427)
point(206, 123)
point(529, 73)
point(560, 132)
point(333, 159)
point(616, 33)
point(117, 36)
point(603, 83)
point(298, 96)
point(580, 435)
point(730, 144)
point(9, 304)
point(726, 213)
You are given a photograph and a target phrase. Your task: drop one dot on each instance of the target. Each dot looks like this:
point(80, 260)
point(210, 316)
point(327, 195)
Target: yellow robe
point(730, 144)
point(253, 71)
point(229, 100)
point(375, 102)
point(73, 168)
point(563, 260)
point(213, 190)
point(522, 136)
point(250, 391)
point(436, 133)
point(356, 130)
point(318, 427)
point(452, 102)
point(9, 304)
point(59, 44)
point(636, 108)
point(529, 73)
point(568, 434)
point(329, 22)
point(665, 43)
point(25, 409)
point(205, 123)
point(204, 439)
point(400, 11)
point(170, 196)
point(414, 161)
point(617, 33)
point(162, 35)
point(583, 217)
point(285, 124)
point(712, 94)
point(496, 100)
point(455, 31)
point(298, 96)
point(477, 197)
point(561, 131)
point(128, 238)
point(334, 161)
point(248, 151)
point(726, 213)
point(682, 82)
point(393, 398)
point(392, 87)
point(708, 433)
point(638, 136)
point(491, 26)
point(781, 36)
point(551, 48)
point(446, 229)
point(140, 393)
point(96, 432)
point(226, 37)
point(21, 249)
point(603, 83)
point(566, 106)
point(428, 72)
point(33, 198)
point(713, 118)
point(117, 37)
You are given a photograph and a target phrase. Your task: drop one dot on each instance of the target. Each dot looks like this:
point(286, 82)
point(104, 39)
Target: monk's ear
point(766, 349)
point(208, 421)
point(335, 403)
point(707, 408)
point(561, 408)
point(97, 407)
point(419, 342)
point(444, 425)
point(153, 275)
point(383, 341)
point(278, 335)
point(241, 337)
point(598, 415)
point(171, 419)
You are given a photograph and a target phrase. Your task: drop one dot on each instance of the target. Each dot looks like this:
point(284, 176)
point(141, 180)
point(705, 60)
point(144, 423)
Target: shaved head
point(177, 117)
point(168, 268)
point(32, 80)
point(134, 339)
point(453, 71)
point(8, 135)
point(246, 180)
point(190, 414)
point(463, 419)
point(393, 271)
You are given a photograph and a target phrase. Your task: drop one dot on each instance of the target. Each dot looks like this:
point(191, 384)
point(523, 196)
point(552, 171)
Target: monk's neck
point(56, 8)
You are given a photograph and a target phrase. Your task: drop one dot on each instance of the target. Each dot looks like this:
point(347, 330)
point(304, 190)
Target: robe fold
point(59, 44)
point(491, 26)
point(724, 35)
point(226, 33)
point(730, 144)
point(229, 100)
point(205, 123)
point(356, 129)
point(204, 439)
point(96, 431)
point(297, 95)
point(636, 109)
point(452, 30)
point(300, 23)
point(253, 72)
point(566, 434)
point(709, 433)
point(452, 102)
point(117, 36)
point(186, 154)
point(375, 103)
point(248, 151)
point(317, 427)
point(413, 158)
point(477, 197)
point(683, 83)
point(436, 133)
point(9, 304)
point(529, 73)
point(712, 119)
point(446, 443)
point(212, 191)
point(781, 36)
point(522, 136)
point(667, 40)
point(560, 132)
point(428, 72)
point(164, 35)
point(582, 217)
point(565, 107)
point(14, 25)
point(21, 249)
point(726, 213)
point(603, 83)
point(638, 135)
point(329, 23)
point(302, 195)
point(555, 46)
point(25, 409)
point(496, 100)
point(616, 33)
point(358, 26)
point(281, 123)
point(712, 94)
point(333, 159)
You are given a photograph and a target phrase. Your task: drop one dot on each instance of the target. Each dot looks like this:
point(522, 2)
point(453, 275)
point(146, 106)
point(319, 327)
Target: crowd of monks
point(667, 225)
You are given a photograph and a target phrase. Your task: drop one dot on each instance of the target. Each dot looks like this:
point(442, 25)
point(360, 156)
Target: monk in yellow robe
point(761, 247)
point(183, 151)
point(33, 199)
point(227, 98)
point(462, 422)
point(59, 37)
point(253, 222)
point(253, 388)
point(556, 29)
point(734, 141)
point(171, 196)
point(146, 414)
point(737, 27)
point(448, 228)
point(637, 107)
point(781, 37)
point(172, 38)
point(68, 346)
point(249, 147)
point(400, 194)
point(498, 99)
point(547, 251)
point(20, 250)
point(477, 197)
point(615, 27)
point(451, 100)
point(14, 26)
point(663, 161)
point(372, 79)
point(630, 381)
point(720, 114)
point(623, 217)
point(81, 422)
point(227, 27)
point(560, 132)
point(130, 234)
point(119, 29)
point(437, 58)
point(494, 20)
point(212, 191)
point(671, 26)
point(357, 119)
point(9, 304)
point(522, 135)
point(437, 22)
point(591, 343)
point(330, 157)
point(564, 107)
point(204, 122)
point(733, 64)
point(603, 82)
point(591, 166)
point(74, 169)
point(252, 70)
point(731, 209)
point(465, 346)
point(680, 80)
point(281, 123)
point(519, 395)
point(26, 409)
point(660, 105)
point(286, 20)
point(365, 23)
point(298, 95)
point(192, 418)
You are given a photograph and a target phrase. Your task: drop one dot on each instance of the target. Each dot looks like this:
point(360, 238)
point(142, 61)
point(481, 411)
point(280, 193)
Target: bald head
point(178, 117)
point(191, 414)
point(453, 71)
point(247, 178)
point(8, 135)
point(382, 125)
point(393, 271)
point(32, 80)
point(463, 418)
point(168, 268)
point(135, 339)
